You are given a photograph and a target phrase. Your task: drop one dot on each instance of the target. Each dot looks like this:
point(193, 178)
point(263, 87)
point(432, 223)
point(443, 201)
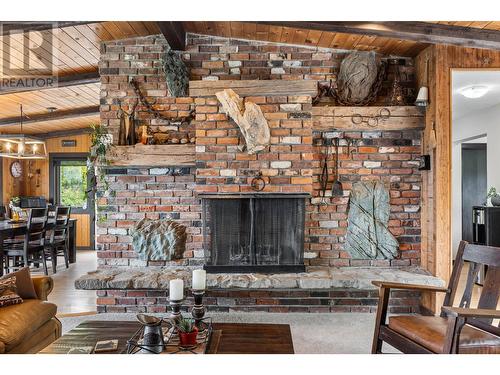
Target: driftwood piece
point(249, 117)
point(357, 74)
point(176, 73)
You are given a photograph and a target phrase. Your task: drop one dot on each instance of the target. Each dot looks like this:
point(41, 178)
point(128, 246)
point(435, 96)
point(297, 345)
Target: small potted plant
point(187, 332)
point(494, 196)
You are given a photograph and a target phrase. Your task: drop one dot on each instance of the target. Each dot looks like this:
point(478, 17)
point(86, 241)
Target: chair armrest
point(43, 286)
point(423, 288)
point(471, 313)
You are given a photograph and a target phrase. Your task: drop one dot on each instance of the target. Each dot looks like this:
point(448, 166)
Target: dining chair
point(57, 242)
point(458, 329)
point(31, 249)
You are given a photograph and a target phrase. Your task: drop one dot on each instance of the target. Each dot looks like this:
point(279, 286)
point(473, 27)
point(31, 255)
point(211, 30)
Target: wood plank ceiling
point(313, 38)
point(78, 51)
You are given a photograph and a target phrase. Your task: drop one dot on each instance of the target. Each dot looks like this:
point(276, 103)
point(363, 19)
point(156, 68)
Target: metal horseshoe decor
point(371, 121)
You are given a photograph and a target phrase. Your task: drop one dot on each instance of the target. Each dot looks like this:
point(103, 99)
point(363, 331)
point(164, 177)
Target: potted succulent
point(494, 196)
point(187, 332)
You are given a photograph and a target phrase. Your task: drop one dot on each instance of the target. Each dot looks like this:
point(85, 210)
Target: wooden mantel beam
point(51, 116)
point(63, 81)
point(423, 32)
point(174, 33)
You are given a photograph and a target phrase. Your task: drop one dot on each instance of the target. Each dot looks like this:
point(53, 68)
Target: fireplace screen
point(252, 233)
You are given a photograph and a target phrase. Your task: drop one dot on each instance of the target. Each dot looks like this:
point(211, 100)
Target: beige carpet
point(311, 333)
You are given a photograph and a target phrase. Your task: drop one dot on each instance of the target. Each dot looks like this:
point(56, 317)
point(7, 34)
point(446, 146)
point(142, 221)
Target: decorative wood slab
point(255, 87)
point(368, 118)
point(153, 155)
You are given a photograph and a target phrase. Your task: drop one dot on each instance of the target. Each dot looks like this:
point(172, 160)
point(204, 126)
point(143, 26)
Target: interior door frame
point(58, 156)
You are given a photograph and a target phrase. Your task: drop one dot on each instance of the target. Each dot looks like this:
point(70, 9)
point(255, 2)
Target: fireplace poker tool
point(337, 190)
point(323, 178)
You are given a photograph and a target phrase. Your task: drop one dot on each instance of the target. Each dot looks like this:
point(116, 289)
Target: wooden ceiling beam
point(65, 133)
point(422, 32)
point(17, 27)
point(174, 33)
point(63, 81)
point(57, 115)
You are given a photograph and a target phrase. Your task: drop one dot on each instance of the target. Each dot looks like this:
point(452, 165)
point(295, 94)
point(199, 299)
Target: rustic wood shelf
point(255, 87)
point(341, 118)
point(153, 155)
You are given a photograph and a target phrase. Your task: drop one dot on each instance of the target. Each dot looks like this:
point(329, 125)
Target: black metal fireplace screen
point(254, 232)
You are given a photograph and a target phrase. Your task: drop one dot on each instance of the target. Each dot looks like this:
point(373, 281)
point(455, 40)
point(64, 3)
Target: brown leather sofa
point(32, 325)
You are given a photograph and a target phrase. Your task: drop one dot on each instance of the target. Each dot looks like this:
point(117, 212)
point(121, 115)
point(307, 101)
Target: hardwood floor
point(69, 300)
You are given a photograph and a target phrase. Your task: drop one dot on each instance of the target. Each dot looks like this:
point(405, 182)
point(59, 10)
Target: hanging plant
point(101, 145)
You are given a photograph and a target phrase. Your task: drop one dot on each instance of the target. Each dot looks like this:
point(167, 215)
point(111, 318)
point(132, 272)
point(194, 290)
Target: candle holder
point(198, 311)
point(175, 305)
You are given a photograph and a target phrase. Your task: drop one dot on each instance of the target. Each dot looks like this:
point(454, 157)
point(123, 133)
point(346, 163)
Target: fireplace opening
point(253, 232)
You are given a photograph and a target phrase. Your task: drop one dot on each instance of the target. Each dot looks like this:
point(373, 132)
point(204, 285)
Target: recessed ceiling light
point(51, 109)
point(474, 91)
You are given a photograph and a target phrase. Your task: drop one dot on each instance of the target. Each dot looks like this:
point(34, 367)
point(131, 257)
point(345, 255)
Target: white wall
point(486, 121)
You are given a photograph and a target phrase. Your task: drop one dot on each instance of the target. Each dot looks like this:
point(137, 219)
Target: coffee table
point(234, 338)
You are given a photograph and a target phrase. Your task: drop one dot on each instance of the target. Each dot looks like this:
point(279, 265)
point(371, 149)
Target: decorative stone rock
point(159, 239)
point(250, 119)
point(357, 74)
point(158, 278)
point(367, 234)
point(176, 73)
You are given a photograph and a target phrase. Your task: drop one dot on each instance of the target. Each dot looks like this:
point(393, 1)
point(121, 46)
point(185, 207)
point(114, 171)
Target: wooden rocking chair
point(458, 329)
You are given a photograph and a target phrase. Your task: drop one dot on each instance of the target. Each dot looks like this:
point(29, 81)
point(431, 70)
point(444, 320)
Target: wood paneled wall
point(53, 146)
point(434, 67)
point(28, 186)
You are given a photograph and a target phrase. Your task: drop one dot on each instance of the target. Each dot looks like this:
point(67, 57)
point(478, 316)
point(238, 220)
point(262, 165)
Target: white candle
point(176, 290)
point(199, 279)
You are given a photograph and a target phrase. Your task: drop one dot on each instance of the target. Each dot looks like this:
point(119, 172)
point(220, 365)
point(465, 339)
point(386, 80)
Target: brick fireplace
point(291, 166)
point(253, 232)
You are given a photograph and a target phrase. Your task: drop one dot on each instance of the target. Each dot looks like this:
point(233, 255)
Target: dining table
point(10, 229)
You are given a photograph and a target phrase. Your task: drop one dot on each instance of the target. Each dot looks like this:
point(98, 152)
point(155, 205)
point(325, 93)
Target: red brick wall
point(286, 165)
point(390, 157)
point(292, 165)
point(277, 301)
point(221, 58)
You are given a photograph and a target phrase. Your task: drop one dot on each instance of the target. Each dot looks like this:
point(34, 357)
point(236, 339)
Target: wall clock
point(16, 169)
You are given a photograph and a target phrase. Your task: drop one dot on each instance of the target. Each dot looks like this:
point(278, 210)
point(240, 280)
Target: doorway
point(475, 111)
point(474, 183)
point(69, 183)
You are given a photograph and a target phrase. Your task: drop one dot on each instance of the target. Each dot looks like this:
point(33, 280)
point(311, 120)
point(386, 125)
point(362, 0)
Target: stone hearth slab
point(315, 278)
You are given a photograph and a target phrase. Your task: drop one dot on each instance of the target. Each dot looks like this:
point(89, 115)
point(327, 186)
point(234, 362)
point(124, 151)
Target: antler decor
point(249, 117)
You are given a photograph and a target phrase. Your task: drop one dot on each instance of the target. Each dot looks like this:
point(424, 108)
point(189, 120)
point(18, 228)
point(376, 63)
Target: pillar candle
point(176, 290)
point(199, 279)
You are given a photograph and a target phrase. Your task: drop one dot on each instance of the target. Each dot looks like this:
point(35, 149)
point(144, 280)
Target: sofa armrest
point(2, 347)
point(43, 286)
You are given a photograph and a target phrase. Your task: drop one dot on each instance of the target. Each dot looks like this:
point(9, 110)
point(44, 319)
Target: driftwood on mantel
point(255, 87)
point(153, 155)
point(250, 119)
point(341, 118)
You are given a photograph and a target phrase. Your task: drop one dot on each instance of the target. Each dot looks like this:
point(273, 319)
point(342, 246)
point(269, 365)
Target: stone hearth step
point(315, 278)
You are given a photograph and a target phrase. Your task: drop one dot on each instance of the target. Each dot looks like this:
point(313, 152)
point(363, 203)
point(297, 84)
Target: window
point(72, 183)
